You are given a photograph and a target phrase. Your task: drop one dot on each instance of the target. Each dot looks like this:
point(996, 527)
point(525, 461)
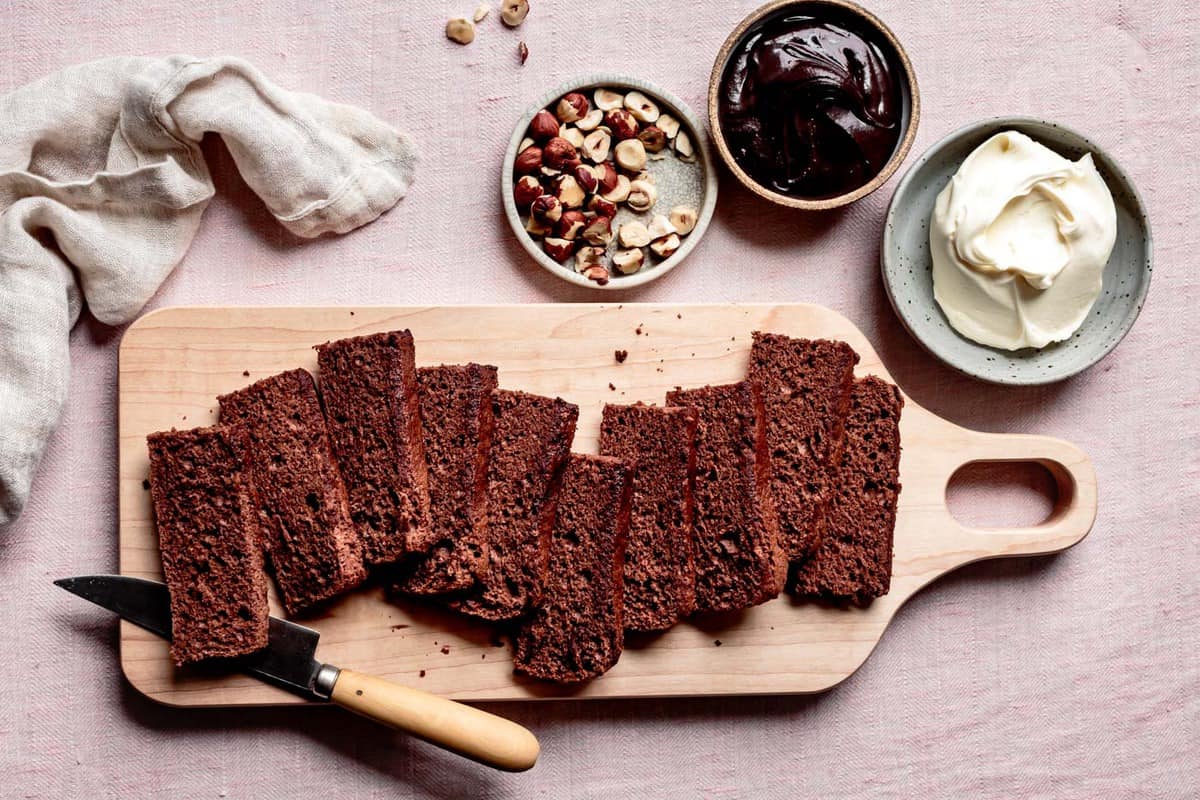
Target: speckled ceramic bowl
point(679, 182)
point(910, 97)
point(908, 267)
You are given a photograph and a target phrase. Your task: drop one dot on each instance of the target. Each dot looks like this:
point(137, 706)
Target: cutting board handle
point(1074, 511)
point(466, 730)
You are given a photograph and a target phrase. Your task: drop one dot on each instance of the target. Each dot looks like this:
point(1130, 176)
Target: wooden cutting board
point(174, 362)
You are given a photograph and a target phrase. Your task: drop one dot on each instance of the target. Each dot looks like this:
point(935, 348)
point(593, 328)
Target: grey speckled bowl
point(679, 182)
point(908, 267)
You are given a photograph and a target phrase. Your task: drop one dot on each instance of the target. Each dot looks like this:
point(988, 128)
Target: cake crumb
point(400, 626)
point(717, 642)
point(352, 313)
point(638, 330)
point(620, 355)
point(245, 373)
point(611, 388)
point(421, 674)
point(679, 316)
point(146, 485)
point(445, 649)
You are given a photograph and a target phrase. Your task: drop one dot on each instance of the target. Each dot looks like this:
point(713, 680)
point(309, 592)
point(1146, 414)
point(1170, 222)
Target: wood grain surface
point(174, 362)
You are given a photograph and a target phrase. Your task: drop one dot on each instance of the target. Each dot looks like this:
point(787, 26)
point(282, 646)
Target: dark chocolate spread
point(810, 106)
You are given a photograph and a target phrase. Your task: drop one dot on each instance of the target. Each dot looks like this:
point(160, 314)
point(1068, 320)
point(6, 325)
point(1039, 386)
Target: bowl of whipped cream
point(1017, 251)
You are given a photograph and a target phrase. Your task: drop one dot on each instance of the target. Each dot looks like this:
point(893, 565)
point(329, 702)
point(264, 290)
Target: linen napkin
point(102, 185)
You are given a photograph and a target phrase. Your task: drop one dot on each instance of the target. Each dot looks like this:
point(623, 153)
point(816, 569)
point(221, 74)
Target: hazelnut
point(591, 120)
point(621, 123)
point(684, 148)
point(601, 207)
point(598, 231)
point(535, 228)
point(620, 192)
point(607, 175)
point(559, 154)
point(481, 12)
point(683, 218)
point(642, 107)
point(570, 225)
point(572, 135)
point(588, 256)
point(659, 227)
point(630, 155)
point(543, 126)
point(596, 144)
point(525, 144)
point(513, 12)
point(652, 138)
point(528, 161)
point(666, 246)
point(568, 191)
point(633, 234)
point(527, 190)
point(558, 249)
point(668, 125)
point(642, 195)
point(607, 99)
point(628, 261)
point(586, 177)
point(461, 30)
point(572, 107)
point(597, 273)
point(546, 208)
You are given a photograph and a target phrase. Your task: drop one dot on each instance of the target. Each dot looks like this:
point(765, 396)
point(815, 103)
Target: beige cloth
point(102, 185)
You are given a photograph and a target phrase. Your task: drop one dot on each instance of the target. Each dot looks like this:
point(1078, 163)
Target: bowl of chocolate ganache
point(813, 104)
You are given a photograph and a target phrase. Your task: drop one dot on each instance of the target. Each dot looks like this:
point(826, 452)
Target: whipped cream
point(1019, 239)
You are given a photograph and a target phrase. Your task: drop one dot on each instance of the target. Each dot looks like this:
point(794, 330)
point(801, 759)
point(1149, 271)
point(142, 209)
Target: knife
point(288, 661)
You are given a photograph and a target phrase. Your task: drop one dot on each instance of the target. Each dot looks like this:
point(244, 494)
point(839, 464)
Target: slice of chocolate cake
point(456, 417)
point(530, 444)
point(854, 561)
point(660, 573)
point(369, 390)
point(576, 632)
point(806, 389)
point(312, 545)
point(739, 559)
point(205, 513)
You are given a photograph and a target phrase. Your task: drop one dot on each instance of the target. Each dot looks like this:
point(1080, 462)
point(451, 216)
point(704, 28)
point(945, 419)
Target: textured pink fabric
point(1071, 676)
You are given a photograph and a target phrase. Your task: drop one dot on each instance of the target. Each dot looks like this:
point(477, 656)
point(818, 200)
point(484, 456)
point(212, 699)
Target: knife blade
point(289, 661)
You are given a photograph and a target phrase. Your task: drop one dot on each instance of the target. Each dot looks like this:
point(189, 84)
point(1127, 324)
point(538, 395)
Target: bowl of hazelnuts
point(608, 182)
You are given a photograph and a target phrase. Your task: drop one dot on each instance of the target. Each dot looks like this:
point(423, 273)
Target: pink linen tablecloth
point(1069, 676)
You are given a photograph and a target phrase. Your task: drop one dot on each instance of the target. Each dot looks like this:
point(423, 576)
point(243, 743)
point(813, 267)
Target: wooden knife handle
point(466, 730)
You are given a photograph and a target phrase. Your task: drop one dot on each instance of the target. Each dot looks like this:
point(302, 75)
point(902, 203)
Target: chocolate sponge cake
point(369, 389)
point(312, 545)
point(806, 389)
point(576, 631)
point(205, 513)
point(854, 560)
point(456, 418)
point(530, 444)
point(660, 575)
point(739, 558)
